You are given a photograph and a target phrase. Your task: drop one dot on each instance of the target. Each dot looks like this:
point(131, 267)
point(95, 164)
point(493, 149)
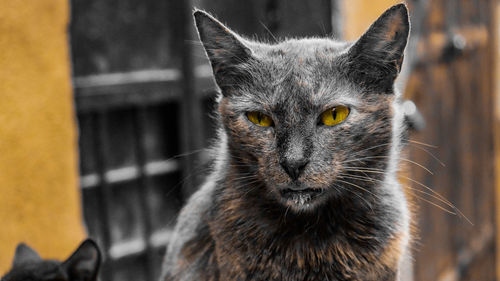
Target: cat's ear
point(225, 49)
point(376, 58)
point(84, 263)
point(24, 254)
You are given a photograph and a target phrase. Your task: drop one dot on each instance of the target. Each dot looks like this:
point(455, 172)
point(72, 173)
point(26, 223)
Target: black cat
point(82, 265)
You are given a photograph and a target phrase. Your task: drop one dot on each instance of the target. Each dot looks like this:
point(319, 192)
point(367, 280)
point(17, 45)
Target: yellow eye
point(260, 119)
point(334, 116)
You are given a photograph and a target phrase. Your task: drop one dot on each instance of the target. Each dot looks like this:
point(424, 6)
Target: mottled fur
point(240, 225)
point(82, 265)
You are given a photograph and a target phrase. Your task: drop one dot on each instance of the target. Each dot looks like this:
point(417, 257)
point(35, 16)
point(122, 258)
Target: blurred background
point(105, 111)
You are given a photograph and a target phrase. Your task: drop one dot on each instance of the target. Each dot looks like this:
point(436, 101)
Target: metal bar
point(191, 133)
point(131, 89)
point(104, 197)
point(131, 77)
point(337, 19)
point(135, 247)
point(129, 173)
point(140, 121)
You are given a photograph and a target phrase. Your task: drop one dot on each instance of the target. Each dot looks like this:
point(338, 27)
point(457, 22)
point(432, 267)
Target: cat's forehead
point(300, 74)
point(308, 48)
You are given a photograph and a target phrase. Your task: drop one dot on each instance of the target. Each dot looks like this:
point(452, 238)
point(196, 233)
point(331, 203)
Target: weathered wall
point(495, 23)
point(39, 199)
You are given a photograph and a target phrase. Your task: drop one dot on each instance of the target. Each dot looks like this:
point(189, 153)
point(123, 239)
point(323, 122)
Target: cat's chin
point(302, 200)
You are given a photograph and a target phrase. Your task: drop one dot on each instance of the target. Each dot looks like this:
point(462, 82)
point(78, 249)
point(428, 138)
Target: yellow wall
point(360, 14)
point(39, 199)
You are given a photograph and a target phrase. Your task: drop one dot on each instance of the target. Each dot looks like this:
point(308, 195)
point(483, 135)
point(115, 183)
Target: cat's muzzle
point(300, 197)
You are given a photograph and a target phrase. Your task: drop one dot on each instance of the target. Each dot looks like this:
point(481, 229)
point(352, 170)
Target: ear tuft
point(376, 58)
point(225, 49)
point(84, 263)
point(24, 254)
point(219, 40)
point(393, 24)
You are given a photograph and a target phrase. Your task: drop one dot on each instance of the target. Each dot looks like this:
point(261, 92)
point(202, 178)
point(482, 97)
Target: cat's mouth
point(302, 197)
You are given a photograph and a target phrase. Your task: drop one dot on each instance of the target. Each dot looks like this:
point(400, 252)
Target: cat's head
point(310, 119)
point(82, 265)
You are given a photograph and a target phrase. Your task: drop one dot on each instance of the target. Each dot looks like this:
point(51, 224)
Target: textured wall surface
point(39, 198)
point(496, 88)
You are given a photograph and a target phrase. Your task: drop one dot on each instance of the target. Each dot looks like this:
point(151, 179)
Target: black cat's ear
point(225, 49)
point(376, 58)
point(24, 254)
point(84, 263)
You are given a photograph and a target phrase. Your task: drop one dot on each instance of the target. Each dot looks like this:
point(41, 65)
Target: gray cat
point(82, 265)
point(304, 185)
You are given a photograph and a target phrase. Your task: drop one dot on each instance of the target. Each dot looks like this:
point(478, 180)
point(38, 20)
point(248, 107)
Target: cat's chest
point(295, 260)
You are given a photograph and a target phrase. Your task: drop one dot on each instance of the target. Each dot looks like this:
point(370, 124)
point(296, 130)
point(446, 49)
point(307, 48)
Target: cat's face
point(82, 265)
point(309, 118)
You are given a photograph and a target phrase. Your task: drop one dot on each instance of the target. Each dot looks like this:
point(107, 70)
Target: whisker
point(431, 195)
point(426, 187)
point(429, 153)
point(364, 171)
point(422, 143)
point(439, 195)
point(269, 31)
point(435, 196)
point(355, 193)
point(400, 158)
point(187, 153)
point(360, 178)
point(373, 147)
point(418, 164)
point(184, 179)
point(435, 205)
point(357, 186)
point(442, 200)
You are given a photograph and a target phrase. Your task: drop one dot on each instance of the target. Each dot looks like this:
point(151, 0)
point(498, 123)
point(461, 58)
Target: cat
point(304, 182)
point(82, 265)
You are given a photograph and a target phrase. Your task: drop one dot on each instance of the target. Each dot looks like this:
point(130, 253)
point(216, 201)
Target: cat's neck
point(254, 227)
point(246, 205)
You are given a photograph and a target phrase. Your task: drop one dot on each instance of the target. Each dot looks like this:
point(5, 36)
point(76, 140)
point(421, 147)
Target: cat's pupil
point(259, 117)
point(334, 114)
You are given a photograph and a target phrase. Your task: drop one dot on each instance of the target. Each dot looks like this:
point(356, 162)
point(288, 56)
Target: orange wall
point(39, 199)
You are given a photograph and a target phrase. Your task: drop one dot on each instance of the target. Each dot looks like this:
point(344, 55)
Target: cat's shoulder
point(192, 226)
point(196, 209)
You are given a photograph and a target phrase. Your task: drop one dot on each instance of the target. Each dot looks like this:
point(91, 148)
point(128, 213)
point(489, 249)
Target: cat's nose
point(294, 167)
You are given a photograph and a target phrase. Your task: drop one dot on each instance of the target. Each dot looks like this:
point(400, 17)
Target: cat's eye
point(260, 119)
point(334, 116)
